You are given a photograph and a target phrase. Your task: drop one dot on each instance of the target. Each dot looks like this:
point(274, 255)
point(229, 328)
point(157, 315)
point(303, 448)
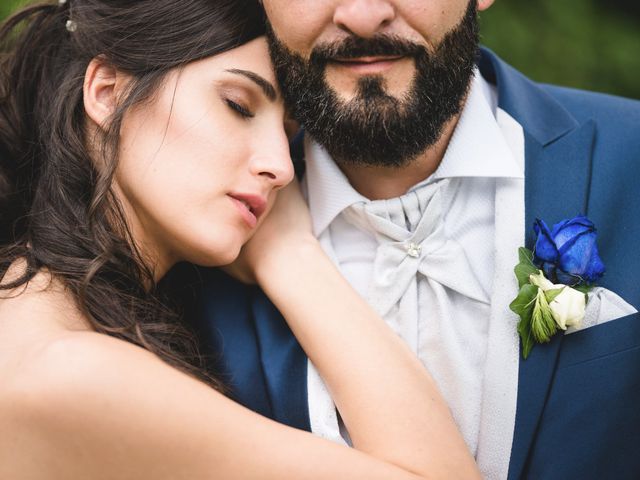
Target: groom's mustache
point(357, 47)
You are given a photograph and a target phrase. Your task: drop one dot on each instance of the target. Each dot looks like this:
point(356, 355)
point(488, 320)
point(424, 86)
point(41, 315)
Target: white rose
point(568, 307)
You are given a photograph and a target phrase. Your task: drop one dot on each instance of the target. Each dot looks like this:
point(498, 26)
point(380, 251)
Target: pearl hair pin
point(71, 26)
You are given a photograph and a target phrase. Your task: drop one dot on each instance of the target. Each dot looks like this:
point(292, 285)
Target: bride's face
point(200, 164)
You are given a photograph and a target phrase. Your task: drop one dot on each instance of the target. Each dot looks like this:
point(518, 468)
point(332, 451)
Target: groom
point(426, 166)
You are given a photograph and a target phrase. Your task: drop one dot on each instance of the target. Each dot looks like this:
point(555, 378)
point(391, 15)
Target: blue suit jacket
point(578, 407)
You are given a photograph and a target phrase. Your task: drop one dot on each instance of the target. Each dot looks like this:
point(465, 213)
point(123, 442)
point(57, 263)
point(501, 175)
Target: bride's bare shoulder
point(87, 395)
point(80, 364)
point(80, 355)
point(78, 369)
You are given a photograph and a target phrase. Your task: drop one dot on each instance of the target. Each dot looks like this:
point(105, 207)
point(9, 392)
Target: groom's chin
point(346, 78)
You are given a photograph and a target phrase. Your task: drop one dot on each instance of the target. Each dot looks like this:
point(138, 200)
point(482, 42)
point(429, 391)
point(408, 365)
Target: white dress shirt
point(444, 312)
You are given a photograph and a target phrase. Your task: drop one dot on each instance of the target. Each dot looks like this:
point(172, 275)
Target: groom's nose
point(363, 18)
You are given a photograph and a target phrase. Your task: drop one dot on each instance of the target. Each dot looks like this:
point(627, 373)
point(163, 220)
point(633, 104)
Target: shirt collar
point(328, 189)
point(477, 149)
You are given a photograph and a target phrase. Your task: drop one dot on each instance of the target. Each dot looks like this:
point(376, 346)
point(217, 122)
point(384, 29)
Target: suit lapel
point(557, 179)
point(284, 364)
point(556, 187)
point(558, 176)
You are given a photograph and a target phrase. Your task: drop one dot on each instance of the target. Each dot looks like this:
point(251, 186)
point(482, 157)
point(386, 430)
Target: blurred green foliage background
point(591, 44)
point(7, 6)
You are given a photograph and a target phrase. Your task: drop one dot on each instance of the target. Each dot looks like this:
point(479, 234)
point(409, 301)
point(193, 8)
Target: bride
point(134, 135)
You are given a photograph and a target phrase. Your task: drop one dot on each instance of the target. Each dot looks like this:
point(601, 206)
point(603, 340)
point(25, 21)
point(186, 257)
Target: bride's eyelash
point(242, 111)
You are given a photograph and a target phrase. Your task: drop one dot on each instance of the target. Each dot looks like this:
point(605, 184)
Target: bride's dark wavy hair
point(57, 209)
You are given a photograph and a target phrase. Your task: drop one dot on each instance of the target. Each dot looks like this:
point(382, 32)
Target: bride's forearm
point(388, 401)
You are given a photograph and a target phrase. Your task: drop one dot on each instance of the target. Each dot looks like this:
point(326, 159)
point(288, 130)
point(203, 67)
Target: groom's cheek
point(298, 24)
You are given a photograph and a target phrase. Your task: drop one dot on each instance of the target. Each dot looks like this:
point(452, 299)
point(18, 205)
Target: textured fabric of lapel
point(284, 364)
point(542, 117)
point(556, 187)
point(220, 314)
point(254, 351)
point(557, 179)
point(558, 176)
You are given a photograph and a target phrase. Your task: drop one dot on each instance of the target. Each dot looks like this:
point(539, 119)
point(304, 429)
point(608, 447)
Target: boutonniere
point(555, 278)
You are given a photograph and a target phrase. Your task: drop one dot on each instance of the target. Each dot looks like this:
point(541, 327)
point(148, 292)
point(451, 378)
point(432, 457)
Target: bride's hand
point(285, 227)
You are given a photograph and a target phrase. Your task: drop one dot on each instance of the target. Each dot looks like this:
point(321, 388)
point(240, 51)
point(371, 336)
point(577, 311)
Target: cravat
point(413, 254)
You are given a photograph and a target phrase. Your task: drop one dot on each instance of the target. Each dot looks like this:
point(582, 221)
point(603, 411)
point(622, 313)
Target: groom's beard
point(375, 128)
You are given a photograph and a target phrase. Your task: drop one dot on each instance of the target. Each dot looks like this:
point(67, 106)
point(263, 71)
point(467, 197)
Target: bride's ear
point(102, 86)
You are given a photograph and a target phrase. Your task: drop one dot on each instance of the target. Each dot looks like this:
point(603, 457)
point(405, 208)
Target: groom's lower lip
point(367, 65)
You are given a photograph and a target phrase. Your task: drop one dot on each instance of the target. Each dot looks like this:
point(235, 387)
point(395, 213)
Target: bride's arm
point(388, 401)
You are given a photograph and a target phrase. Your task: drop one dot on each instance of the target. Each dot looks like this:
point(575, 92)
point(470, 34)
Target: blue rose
point(568, 253)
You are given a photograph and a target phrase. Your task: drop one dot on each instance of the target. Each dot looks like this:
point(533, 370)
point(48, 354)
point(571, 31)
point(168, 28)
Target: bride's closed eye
point(252, 89)
point(240, 109)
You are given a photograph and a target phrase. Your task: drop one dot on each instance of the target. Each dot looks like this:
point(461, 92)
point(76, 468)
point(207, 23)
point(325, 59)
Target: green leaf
point(525, 301)
point(523, 271)
point(523, 306)
point(583, 288)
point(525, 256)
point(525, 268)
point(543, 326)
point(552, 294)
point(524, 330)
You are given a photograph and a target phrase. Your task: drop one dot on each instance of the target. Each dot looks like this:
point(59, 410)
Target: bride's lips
point(250, 206)
point(367, 65)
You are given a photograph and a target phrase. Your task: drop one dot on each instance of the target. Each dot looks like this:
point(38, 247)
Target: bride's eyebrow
point(265, 85)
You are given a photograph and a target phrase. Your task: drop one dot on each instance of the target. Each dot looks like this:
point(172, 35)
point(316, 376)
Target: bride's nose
point(273, 163)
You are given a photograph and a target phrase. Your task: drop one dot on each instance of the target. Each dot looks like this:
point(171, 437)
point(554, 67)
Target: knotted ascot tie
point(412, 244)
point(419, 275)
